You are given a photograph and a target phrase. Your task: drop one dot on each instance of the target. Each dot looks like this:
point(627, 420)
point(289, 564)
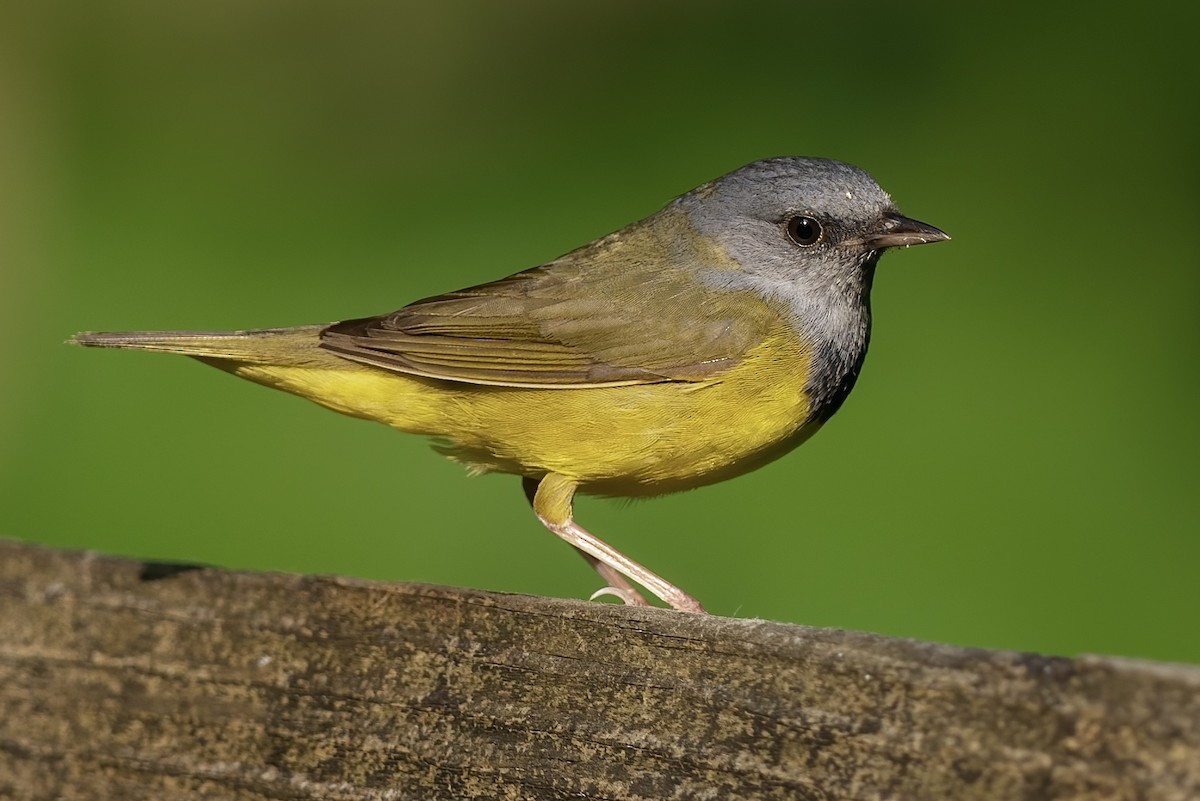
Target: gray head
point(785, 218)
point(807, 233)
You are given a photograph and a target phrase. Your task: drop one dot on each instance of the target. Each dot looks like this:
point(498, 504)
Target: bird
point(689, 347)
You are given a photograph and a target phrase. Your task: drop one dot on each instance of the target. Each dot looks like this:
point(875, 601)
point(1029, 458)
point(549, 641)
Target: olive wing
point(563, 326)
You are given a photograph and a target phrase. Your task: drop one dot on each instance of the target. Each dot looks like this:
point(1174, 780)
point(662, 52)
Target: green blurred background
point(1016, 469)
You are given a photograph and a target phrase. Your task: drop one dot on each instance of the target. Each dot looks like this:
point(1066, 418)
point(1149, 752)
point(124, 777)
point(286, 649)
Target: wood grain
point(120, 680)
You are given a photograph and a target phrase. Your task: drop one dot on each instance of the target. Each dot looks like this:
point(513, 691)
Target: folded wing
point(567, 324)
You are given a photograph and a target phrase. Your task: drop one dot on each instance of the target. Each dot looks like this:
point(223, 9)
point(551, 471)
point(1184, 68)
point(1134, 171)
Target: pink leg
point(552, 502)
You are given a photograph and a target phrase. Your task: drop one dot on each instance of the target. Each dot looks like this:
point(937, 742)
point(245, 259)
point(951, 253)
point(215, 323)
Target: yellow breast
point(638, 440)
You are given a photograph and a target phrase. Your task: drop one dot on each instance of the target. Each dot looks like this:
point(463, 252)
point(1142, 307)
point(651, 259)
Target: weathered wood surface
point(125, 681)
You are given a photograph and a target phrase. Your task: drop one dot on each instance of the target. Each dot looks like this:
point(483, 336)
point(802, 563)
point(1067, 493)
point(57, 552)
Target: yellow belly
point(638, 440)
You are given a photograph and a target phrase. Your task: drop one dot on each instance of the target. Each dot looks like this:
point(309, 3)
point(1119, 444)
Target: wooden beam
point(120, 680)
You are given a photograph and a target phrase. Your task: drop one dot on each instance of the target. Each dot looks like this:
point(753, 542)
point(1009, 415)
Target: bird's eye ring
point(804, 231)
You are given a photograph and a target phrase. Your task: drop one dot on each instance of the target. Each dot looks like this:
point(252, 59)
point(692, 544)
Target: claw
point(630, 598)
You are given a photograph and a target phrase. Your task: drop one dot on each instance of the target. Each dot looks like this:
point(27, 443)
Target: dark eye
point(804, 231)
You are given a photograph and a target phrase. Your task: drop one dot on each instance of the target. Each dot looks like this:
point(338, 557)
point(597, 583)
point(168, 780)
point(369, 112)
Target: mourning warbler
point(684, 349)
